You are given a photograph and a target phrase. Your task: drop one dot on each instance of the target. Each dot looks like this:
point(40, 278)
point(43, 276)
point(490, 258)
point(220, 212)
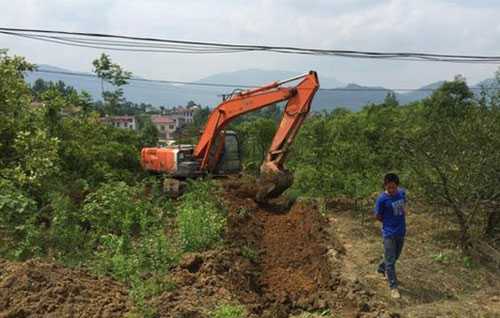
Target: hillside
point(352, 96)
point(423, 92)
point(257, 76)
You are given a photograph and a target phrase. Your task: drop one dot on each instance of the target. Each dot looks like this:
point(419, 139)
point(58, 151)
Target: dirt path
point(434, 278)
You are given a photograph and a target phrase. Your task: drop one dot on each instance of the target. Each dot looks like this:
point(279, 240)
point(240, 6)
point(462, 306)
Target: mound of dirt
point(281, 258)
point(204, 281)
point(39, 289)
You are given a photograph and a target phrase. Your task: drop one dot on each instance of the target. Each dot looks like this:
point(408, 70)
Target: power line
point(158, 45)
point(175, 82)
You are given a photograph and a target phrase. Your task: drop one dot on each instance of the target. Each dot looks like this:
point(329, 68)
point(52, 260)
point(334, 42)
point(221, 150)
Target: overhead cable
point(158, 45)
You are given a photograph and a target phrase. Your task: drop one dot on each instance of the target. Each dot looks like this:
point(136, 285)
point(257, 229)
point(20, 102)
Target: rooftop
point(162, 119)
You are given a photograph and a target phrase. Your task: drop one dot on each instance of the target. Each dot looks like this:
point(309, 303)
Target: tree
point(15, 101)
point(149, 134)
point(113, 74)
point(255, 136)
point(200, 117)
point(453, 153)
point(391, 100)
point(191, 104)
point(39, 86)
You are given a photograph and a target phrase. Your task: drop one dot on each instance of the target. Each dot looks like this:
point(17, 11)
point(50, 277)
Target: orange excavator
point(218, 150)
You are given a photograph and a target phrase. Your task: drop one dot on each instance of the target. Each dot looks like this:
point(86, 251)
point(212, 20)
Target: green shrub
point(200, 219)
point(68, 238)
point(16, 209)
point(21, 236)
point(123, 259)
point(142, 265)
point(116, 208)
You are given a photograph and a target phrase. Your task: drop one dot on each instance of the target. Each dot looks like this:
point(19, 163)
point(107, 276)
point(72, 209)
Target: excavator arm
point(274, 180)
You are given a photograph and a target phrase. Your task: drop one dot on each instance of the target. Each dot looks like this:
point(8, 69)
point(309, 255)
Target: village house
point(182, 115)
point(166, 126)
point(126, 122)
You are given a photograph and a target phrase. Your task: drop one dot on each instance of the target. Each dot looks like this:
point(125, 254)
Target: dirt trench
point(280, 259)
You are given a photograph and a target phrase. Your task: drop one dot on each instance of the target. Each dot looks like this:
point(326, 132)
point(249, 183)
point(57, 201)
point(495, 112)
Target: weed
point(242, 211)
point(249, 253)
point(229, 311)
point(441, 258)
point(143, 289)
point(467, 262)
point(323, 210)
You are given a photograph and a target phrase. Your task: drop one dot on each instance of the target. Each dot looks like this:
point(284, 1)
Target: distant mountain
point(421, 93)
point(332, 95)
point(260, 77)
point(352, 96)
point(84, 82)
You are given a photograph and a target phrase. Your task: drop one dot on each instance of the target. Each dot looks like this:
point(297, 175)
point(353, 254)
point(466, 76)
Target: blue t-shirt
point(391, 209)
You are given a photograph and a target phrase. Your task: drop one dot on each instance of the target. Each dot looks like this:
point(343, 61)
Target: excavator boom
point(274, 179)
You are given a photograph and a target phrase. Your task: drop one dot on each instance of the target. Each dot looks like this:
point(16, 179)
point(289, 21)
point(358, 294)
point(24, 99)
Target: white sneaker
point(395, 293)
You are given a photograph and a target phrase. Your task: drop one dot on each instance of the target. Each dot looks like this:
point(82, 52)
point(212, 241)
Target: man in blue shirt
point(390, 210)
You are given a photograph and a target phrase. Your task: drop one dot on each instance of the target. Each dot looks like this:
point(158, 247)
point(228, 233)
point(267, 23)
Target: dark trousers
point(392, 250)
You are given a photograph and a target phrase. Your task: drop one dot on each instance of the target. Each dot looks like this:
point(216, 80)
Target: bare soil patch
point(39, 289)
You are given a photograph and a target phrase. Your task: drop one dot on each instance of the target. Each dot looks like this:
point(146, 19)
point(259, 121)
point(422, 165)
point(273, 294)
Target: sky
point(434, 26)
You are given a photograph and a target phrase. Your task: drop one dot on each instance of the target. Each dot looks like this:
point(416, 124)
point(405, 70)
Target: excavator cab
point(229, 161)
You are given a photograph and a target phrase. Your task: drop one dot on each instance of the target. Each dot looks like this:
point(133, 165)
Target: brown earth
point(39, 289)
point(279, 259)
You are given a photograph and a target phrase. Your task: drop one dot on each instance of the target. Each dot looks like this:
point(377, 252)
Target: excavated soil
point(39, 289)
point(280, 259)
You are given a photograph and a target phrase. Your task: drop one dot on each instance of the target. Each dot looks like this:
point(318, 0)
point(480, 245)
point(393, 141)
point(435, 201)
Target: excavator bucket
point(272, 184)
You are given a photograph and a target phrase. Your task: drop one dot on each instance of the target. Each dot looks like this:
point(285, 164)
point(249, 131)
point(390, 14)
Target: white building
point(126, 122)
point(183, 115)
point(166, 126)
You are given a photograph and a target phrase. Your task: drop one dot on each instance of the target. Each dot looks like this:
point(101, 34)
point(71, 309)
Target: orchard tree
point(452, 150)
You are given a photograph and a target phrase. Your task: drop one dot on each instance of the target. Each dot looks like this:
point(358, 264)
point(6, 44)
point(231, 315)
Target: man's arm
point(403, 194)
